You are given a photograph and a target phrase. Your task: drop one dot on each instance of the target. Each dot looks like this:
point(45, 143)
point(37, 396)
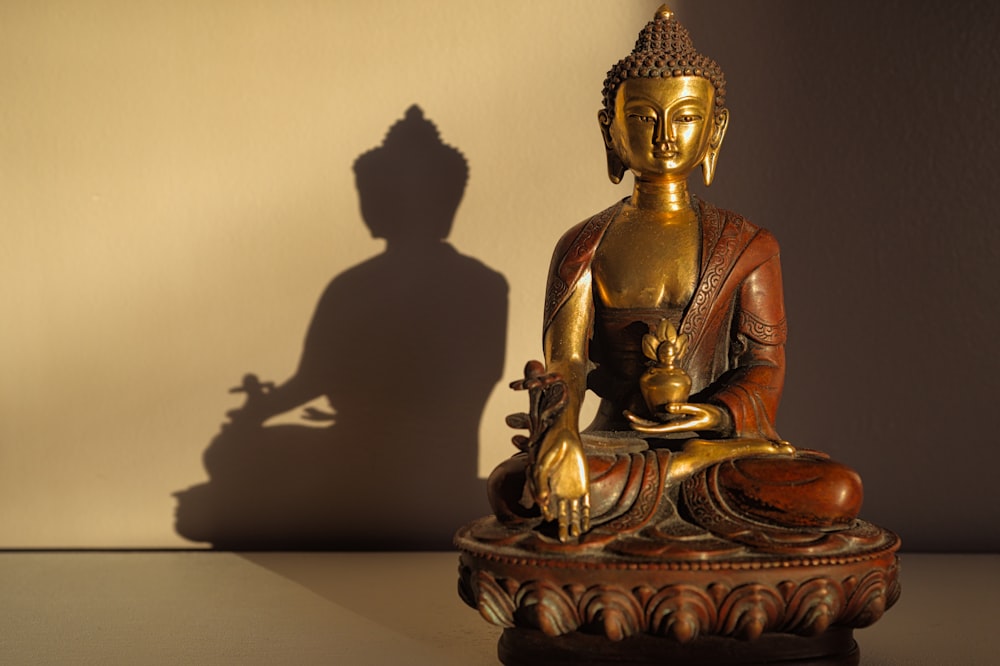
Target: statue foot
point(701, 453)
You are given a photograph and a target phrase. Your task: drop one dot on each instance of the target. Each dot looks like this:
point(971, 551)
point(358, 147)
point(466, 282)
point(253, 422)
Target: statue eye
point(643, 118)
point(687, 118)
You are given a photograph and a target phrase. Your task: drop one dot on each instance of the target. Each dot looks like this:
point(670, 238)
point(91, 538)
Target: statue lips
point(665, 149)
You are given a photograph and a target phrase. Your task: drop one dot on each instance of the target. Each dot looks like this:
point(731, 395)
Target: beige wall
point(177, 191)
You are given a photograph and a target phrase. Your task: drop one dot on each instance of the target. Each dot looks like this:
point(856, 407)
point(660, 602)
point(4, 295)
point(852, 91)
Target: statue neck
point(669, 197)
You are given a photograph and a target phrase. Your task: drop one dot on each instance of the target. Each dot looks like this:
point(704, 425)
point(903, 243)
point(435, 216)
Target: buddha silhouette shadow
point(406, 347)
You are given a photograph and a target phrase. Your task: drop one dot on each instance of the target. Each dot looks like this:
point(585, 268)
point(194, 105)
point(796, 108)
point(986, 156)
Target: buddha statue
point(679, 514)
point(663, 259)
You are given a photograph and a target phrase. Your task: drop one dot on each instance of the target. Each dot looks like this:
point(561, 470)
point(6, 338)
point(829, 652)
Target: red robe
point(735, 321)
point(736, 358)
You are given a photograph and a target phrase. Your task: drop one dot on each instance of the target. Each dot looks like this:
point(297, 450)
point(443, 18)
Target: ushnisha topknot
point(664, 49)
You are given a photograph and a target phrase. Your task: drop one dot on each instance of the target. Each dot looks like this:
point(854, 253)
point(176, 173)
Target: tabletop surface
point(187, 607)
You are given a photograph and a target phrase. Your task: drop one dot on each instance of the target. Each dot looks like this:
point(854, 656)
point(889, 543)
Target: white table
point(373, 608)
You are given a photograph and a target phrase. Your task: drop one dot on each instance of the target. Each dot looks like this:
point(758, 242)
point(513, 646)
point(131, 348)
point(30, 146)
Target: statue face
point(663, 128)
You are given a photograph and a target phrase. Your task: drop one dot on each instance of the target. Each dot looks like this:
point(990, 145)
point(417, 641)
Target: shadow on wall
point(406, 347)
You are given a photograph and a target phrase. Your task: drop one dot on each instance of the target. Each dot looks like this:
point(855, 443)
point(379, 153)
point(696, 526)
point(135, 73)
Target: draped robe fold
point(736, 359)
point(735, 320)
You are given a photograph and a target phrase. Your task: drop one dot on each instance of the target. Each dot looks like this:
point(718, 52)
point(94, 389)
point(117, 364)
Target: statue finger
point(563, 527)
point(585, 517)
point(544, 500)
point(638, 419)
point(574, 518)
point(541, 494)
point(538, 490)
point(680, 425)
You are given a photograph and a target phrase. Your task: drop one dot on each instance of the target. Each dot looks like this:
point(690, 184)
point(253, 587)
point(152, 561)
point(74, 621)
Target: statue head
point(665, 93)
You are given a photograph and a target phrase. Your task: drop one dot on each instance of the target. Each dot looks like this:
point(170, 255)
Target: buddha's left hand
point(694, 417)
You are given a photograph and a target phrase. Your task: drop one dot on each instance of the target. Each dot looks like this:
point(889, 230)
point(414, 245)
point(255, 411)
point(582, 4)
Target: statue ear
point(616, 168)
point(708, 164)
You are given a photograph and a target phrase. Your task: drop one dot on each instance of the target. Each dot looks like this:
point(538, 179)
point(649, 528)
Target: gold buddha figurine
point(661, 259)
point(679, 514)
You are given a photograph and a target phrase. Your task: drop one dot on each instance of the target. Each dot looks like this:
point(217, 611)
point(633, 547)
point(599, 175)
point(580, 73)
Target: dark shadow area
point(406, 347)
point(865, 136)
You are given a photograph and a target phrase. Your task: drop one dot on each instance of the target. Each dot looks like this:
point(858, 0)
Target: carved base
point(580, 605)
point(528, 647)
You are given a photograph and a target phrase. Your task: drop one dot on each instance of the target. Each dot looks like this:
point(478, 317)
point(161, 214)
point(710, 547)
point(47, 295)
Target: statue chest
point(647, 265)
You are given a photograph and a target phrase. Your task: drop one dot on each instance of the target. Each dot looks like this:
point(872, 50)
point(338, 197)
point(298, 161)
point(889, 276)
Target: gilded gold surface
point(671, 310)
point(664, 383)
point(662, 130)
point(559, 478)
point(700, 453)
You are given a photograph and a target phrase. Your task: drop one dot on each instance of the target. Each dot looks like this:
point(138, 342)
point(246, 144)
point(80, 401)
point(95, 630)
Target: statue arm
point(559, 476)
point(565, 342)
point(752, 390)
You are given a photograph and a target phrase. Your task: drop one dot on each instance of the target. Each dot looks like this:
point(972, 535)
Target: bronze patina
point(678, 525)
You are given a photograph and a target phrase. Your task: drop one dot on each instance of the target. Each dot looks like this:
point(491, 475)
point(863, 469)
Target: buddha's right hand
point(560, 482)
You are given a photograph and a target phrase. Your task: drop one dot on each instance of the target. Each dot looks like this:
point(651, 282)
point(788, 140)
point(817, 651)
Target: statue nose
point(663, 136)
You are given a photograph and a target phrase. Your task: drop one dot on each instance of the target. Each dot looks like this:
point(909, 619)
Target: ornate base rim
point(467, 540)
point(680, 600)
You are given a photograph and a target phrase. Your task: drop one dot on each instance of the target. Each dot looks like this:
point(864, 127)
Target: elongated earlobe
point(616, 168)
point(708, 166)
point(711, 159)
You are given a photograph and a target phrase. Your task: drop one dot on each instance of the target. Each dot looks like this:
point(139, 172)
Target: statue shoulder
point(587, 234)
point(716, 219)
point(572, 256)
point(566, 241)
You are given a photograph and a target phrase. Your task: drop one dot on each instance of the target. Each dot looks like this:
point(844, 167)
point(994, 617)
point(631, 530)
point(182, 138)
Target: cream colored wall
point(177, 189)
